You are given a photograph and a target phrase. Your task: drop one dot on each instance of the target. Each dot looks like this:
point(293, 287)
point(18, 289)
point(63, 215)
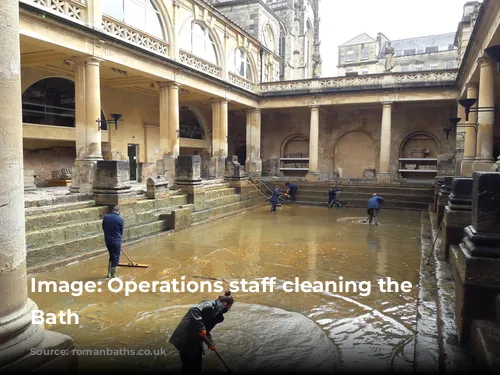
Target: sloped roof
point(361, 38)
point(424, 41)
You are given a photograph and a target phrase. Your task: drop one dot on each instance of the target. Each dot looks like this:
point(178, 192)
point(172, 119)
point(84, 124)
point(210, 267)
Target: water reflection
point(312, 243)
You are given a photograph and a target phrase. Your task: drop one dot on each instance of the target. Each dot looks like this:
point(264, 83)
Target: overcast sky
point(342, 20)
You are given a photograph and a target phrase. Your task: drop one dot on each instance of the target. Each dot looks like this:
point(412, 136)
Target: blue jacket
point(333, 193)
point(375, 202)
point(276, 194)
point(292, 186)
point(112, 225)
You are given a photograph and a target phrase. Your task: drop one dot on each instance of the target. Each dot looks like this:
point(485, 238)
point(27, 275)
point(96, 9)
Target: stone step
point(75, 230)
point(221, 201)
point(486, 344)
point(220, 192)
point(34, 211)
point(151, 204)
point(68, 216)
point(47, 200)
point(54, 252)
point(217, 212)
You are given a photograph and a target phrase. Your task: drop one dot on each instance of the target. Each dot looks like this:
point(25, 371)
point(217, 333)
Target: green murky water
point(309, 243)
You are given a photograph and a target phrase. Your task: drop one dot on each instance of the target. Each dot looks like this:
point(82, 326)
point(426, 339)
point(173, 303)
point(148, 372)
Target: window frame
point(348, 53)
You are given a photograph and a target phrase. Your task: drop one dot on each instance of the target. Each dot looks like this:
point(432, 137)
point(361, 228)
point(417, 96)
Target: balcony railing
point(74, 10)
point(363, 82)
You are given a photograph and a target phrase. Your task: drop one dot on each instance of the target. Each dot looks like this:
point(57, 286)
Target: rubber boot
point(108, 275)
point(113, 272)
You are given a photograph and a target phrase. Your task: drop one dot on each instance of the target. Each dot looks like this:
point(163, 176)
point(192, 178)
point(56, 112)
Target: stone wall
point(44, 161)
point(349, 138)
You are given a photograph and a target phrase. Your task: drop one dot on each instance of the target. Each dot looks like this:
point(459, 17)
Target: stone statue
point(389, 57)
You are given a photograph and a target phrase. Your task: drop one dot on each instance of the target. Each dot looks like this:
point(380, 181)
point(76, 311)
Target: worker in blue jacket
point(374, 208)
point(275, 197)
point(292, 190)
point(112, 226)
point(332, 197)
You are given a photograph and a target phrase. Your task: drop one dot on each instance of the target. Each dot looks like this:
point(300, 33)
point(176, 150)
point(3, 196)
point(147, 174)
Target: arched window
point(51, 101)
point(141, 14)
point(197, 40)
point(240, 64)
point(269, 37)
point(189, 125)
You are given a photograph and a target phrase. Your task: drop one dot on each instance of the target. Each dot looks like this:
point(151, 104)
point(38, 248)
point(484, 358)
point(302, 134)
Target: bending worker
point(374, 207)
point(194, 329)
point(332, 197)
point(275, 197)
point(112, 226)
point(292, 190)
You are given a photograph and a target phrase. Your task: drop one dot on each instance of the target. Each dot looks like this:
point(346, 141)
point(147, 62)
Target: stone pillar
point(253, 163)
point(476, 260)
point(459, 141)
point(457, 214)
point(219, 139)
point(384, 174)
point(484, 148)
point(169, 130)
point(470, 134)
point(17, 333)
point(173, 119)
point(188, 179)
point(112, 183)
point(313, 173)
point(87, 111)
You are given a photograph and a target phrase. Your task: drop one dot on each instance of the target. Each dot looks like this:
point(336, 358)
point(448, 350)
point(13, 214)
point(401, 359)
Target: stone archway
point(354, 153)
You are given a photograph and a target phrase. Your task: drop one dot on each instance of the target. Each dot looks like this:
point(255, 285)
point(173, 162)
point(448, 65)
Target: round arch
point(420, 140)
point(295, 144)
point(117, 11)
point(253, 65)
point(219, 50)
point(268, 27)
point(168, 24)
point(51, 101)
point(354, 152)
point(191, 124)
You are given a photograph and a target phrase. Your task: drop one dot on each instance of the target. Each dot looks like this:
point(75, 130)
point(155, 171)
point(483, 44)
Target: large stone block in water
point(486, 202)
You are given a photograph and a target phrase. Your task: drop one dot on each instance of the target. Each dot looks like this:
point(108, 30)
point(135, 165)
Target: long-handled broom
point(132, 264)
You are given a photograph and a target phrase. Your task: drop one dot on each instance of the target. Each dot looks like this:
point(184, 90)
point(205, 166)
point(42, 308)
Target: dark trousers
point(191, 359)
point(373, 212)
point(273, 206)
point(293, 192)
point(114, 250)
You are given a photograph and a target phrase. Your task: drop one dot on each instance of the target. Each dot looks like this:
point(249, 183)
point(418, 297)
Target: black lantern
point(115, 116)
point(454, 124)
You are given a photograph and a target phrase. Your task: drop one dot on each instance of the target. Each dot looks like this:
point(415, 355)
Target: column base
point(466, 168)
point(42, 359)
point(82, 176)
point(253, 167)
point(384, 177)
point(312, 176)
point(483, 165)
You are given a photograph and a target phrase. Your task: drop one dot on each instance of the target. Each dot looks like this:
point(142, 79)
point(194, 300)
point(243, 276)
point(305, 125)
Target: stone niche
point(112, 183)
point(29, 180)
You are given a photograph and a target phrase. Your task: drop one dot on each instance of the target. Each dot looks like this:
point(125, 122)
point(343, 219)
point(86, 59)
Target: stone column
point(173, 119)
point(87, 111)
point(459, 141)
point(484, 148)
point(164, 129)
point(470, 134)
point(384, 174)
point(313, 174)
point(219, 139)
point(253, 163)
point(17, 334)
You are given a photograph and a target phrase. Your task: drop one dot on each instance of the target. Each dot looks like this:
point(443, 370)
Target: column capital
point(314, 107)
point(387, 103)
point(167, 84)
point(213, 102)
point(484, 61)
point(86, 60)
point(250, 110)
point(472, 86)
